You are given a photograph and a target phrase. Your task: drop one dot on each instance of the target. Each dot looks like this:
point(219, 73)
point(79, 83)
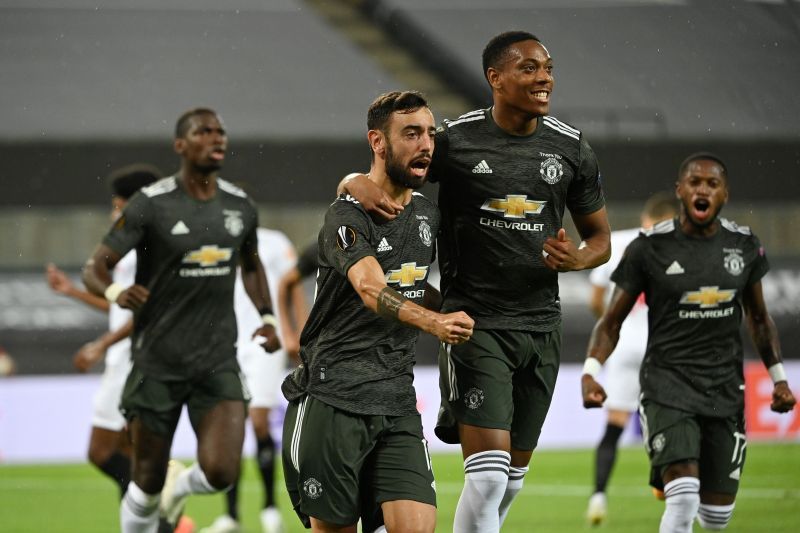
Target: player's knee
point(98, 455)
point(221, 476)
point(714, 517)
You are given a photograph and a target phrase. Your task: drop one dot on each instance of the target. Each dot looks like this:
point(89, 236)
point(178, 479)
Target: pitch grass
point(77, 499)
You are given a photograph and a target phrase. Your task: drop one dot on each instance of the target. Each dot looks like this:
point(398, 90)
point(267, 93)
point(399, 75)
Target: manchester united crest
point(233, 222)
point(312, 488)
point(473, 398)
point(551, 170)
point(425, 233)
point(734, 263)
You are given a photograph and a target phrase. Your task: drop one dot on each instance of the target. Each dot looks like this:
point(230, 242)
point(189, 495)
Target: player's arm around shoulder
point(602, 342)
point(765, 338)
point(366, 277)
point(375, 201)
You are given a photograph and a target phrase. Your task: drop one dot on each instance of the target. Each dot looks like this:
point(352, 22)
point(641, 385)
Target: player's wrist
point(777, 373)
point(592, 366)
point(113, 291)
point(268, 318)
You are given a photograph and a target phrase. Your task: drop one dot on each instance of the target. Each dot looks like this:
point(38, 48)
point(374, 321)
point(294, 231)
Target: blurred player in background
point(293, 315)
point(109, 449)
point(506, 175)
point(699, 273)
point(264, 374)
point(353, 446)
point(622, 370)
point(190, 231)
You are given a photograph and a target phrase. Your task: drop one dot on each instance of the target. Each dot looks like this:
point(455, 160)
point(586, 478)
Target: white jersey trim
point(665, 226)
point(230, 188)
point(561, 127)
point(162, 186)
point(730, 225)
point(467, 119)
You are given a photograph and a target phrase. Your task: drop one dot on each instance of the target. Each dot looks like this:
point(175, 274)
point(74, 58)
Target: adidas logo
point(482, 168)
point(384, 246)
point(674, 268)
point(179, 228)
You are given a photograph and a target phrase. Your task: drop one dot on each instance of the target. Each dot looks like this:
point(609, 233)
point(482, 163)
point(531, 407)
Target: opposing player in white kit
point(622, 370)
point(108, 449)
point(264, 373)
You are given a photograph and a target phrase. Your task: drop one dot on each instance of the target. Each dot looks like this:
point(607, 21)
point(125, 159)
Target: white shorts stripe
point(298, 427)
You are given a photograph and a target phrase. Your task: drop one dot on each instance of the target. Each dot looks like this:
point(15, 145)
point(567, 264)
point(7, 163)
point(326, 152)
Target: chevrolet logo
point(208, 255)
point(514, 206)
point(708, 296)
point(406, 275)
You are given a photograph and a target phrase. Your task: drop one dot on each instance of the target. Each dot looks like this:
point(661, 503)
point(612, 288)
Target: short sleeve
point(346, 235)
point(631, 274)
point(129, 228)
point(585, 194)
point(760, 263)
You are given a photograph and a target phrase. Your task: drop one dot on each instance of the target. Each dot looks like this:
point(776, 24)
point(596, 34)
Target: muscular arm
point(563, 255)
point(765, 339)
point(367, 279)
point(254, 279)
point(605, 336)
point(292, 310)
point(61, 284)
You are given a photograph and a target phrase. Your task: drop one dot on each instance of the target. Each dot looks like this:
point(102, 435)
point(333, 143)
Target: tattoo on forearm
point(389, 302)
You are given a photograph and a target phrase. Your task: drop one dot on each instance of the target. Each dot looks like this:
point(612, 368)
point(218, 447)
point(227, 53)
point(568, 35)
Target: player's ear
point(493, 77)
point(377, 142)
point(179, 145)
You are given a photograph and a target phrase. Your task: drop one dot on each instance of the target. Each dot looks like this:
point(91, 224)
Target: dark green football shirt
point(187, 252)
point(694, 289)
point(354, 359)
point(501, 196)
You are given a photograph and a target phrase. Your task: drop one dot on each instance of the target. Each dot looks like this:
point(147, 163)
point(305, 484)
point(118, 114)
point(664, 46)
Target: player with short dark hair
point(353, 446)
point(506, 175)
point(622, 372)
point(700, 274)
point(190, 232)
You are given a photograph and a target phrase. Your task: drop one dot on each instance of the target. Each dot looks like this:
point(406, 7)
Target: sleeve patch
point(345, 237)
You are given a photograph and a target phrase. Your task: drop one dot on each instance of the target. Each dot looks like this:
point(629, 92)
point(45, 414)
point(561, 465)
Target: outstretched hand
point(593, 393)
point(88, 355)
point(561, 254)
point(58, 280)
point(783, 400)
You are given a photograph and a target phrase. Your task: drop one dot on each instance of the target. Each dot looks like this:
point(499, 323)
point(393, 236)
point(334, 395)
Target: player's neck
point(513, 121)
point(401, 195)
point(198, 184)
point(693, 230)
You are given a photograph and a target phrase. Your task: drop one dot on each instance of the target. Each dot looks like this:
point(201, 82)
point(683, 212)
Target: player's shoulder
point(560, 129)
point(660, 229)
point(732, 227)
point(160, 187)
point(346, 205)
point(423, 201)
point(229, 188)
point(470, 118)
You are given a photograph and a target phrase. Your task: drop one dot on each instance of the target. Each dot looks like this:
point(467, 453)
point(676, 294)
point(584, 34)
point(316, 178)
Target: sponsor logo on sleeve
point(345, 237)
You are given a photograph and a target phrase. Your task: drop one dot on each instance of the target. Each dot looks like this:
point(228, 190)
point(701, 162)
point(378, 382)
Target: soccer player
point(264, 374)
point(353, 445)
point(506, 175)
point(190, 232)
point(622, 371)
point(108, 449)
point(699, 273)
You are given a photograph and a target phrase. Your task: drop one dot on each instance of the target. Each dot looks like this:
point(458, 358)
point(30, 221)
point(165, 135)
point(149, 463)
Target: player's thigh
point(263, 372)
point(622, 380)
point(106, 410)
point(217, 410)
point(408, 515)
point(476, 380)
point(722, 455)
point(533, 385)
point(670, 436)
point(326, 449)
point(399, 470)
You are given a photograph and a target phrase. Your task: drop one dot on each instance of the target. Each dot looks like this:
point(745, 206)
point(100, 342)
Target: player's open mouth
point(701, 208)
point(420, 166)
point(218, 154)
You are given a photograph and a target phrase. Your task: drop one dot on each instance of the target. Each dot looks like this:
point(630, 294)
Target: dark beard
point(400, 175)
